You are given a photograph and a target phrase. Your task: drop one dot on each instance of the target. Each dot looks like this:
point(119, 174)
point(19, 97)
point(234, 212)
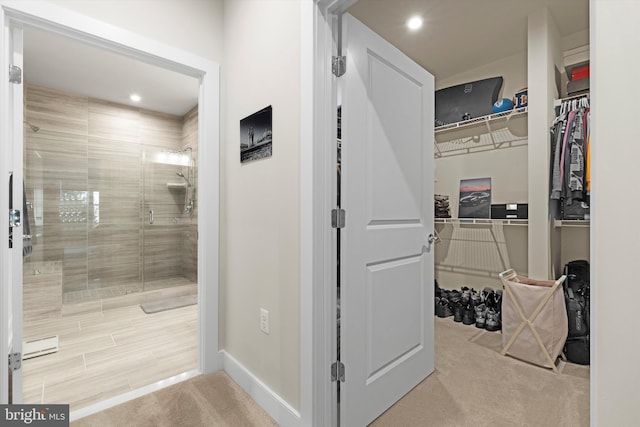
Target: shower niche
point(111, 194)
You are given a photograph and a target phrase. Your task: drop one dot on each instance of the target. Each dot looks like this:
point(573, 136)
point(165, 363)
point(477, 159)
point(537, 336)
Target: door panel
point(394, 298)
point(387, 263)
point(393, 172)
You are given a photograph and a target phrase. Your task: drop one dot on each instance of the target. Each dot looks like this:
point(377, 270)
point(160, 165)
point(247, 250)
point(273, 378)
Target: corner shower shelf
point(491, 132)
point(177, 185)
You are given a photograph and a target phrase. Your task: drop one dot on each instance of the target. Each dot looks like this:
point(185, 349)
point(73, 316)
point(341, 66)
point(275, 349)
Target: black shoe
point(481, 316)
point(487, 293)
point(454, 295)
point(458, 311)
point(498, 298)
point(476, 298)
point(494, 301)
point(466, 294)
point(442, 309)
point(493, 322)
point(468, 315)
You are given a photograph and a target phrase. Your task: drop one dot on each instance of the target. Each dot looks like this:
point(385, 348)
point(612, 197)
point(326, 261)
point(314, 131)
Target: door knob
point(433, 238)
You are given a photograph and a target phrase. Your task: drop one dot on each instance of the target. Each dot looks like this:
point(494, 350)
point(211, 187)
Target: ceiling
point(61, 63)
point(459, 35)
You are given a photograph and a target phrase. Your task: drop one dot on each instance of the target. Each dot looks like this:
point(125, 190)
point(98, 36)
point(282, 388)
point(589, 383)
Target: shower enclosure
point(111, 198)
point(169, 201)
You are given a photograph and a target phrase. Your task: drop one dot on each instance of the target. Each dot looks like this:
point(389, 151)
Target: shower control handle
point(151, 216)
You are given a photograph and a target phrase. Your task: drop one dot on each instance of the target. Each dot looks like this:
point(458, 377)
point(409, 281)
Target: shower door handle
point(151, 216)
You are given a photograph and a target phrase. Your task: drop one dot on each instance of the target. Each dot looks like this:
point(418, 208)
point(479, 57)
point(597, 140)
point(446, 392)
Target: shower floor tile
point(110, 352)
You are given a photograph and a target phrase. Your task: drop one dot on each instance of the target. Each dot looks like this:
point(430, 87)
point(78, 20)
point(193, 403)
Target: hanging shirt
point(563, 157)
point(557, 133)
point(575, 161)
point(587, 177)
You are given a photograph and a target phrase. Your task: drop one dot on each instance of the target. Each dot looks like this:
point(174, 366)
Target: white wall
point(615, 371)
point(191, 25)
point(542, 54)
point(259, 265)
point(257, 44)
point(513, 69)
point(507, 168)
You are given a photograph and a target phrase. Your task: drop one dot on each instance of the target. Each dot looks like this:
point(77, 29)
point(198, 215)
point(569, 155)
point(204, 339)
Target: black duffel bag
point(577, 350)
point(577, 294)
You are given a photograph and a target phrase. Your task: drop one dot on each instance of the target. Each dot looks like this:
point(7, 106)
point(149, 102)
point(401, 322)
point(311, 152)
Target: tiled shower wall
point(91, 184)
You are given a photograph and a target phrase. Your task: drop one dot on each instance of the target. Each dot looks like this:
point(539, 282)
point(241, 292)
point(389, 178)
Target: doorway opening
point(111, 193)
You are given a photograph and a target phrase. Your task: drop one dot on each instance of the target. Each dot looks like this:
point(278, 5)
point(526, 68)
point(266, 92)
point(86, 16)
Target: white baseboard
point(283, 413)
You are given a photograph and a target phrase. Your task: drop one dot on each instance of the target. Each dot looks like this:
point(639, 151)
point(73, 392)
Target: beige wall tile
point(113, 121)
point(56, 112)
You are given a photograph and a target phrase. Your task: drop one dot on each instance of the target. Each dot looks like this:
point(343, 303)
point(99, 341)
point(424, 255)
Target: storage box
point(510, 211)
point(575, 56)
point(521, 98)
point(575, 87)
point(580, 72)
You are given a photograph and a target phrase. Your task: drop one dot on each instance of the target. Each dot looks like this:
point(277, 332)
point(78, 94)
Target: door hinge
point(337, 372)
point(338, 218)
point(15, 361)
point(15, 74)
point(338, 65)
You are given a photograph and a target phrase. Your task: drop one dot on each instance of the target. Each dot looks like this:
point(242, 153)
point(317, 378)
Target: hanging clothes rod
point(558, 102)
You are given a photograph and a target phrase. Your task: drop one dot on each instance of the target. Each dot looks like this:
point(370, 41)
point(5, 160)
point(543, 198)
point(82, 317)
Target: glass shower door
point(166, 188)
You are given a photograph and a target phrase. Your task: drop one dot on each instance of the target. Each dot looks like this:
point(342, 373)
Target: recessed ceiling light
point(414, 23)
point(135, 97)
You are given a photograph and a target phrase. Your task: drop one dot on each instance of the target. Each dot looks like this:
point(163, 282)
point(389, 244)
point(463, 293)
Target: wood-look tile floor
point(107, 353)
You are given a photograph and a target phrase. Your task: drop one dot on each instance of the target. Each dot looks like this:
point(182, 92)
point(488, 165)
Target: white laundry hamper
point(534, 319)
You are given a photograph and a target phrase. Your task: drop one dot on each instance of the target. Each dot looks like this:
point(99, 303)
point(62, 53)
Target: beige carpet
point(212, 400)
point(473, 385)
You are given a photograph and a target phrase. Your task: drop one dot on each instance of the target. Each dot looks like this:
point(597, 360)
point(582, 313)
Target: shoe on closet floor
point(458, 311)
point(494, 301)
point(468, 315)
point(476, 298)
point(497, 296)
point(493, 322)
point(443, 309)
point(454, 295)
point(481, 316)
point(466, 294)
point(486, 294)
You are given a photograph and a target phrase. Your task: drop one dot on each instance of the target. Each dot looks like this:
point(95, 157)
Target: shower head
point(33, 128)
point(180, 174)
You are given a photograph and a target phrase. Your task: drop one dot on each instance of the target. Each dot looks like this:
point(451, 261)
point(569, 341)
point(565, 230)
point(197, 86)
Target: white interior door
point(386, 305)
